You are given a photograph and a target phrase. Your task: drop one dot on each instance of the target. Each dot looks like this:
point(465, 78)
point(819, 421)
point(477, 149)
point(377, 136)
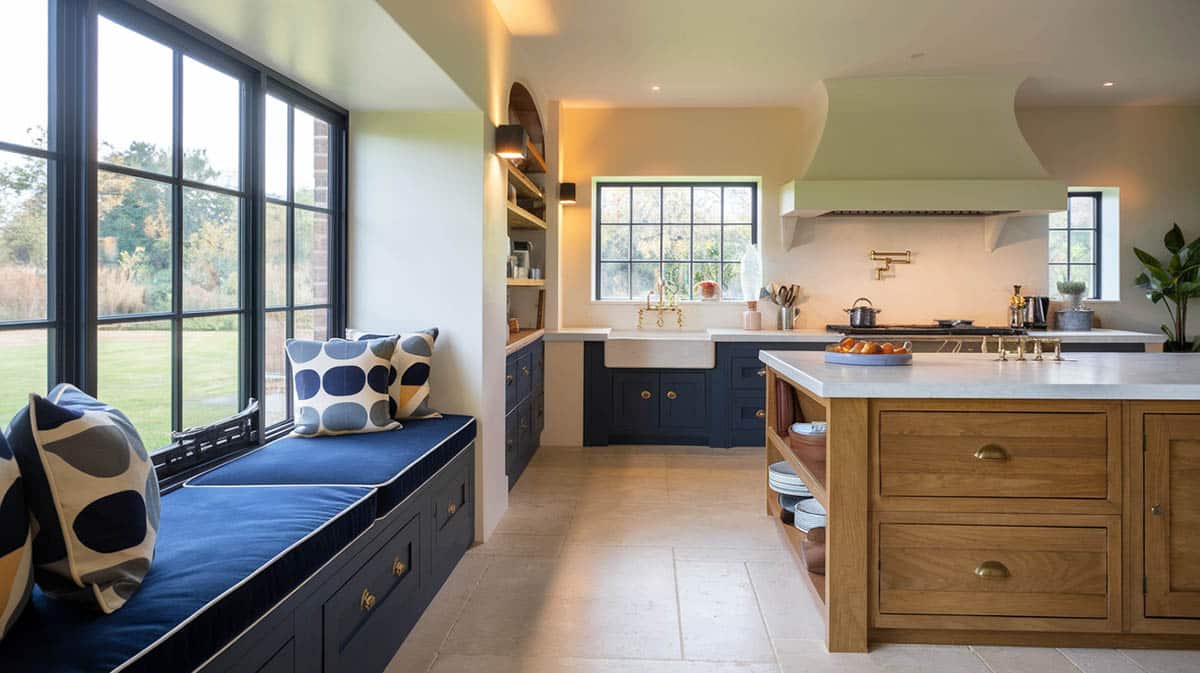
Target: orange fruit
point(871, 348)
point(847, 342)
point(887, 348)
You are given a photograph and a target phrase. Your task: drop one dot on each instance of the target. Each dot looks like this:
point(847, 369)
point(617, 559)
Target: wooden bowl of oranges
point(851, 351)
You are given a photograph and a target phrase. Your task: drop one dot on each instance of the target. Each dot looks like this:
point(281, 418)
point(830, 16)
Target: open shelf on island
point(795, 541)
point(811, 472)
point(519, 218)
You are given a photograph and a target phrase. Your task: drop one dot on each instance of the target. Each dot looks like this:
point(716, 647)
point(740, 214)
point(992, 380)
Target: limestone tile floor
point(661, 560)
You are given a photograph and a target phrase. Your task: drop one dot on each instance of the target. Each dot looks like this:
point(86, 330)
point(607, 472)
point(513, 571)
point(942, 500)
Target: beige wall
point(1152, 154)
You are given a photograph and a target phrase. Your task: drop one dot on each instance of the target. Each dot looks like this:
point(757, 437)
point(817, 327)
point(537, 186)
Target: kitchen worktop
point(812, 335)
point(1082, 376)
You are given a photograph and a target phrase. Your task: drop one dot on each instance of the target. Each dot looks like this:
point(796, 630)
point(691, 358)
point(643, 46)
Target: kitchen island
point(973, 500)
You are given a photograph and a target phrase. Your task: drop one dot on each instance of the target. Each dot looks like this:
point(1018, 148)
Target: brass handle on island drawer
point(645, 394)
point(367, 602)
point(671, 395)
point(451, 509)
point(991, 452)
point(398, 567)
point(1156, 510)
point(991, 570)
point(761, 413)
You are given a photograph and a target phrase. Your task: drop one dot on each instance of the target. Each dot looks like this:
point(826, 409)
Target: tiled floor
point(661, 560)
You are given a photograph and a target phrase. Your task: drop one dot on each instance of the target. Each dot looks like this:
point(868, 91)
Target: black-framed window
point(1074, 243)
point(686, 231)
point(134, 205)
point(29, 159)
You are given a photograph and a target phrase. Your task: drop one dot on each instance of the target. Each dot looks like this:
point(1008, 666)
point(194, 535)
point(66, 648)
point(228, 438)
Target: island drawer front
point(988, 454)
point(995, 571)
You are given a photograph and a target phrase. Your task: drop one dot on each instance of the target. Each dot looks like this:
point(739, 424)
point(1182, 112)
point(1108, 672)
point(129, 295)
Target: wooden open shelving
point(526, 282)
point(519, 218)
point(524, 185)
point(514, 338)
point(812, 473)
point(534, 161)
point(795, 541)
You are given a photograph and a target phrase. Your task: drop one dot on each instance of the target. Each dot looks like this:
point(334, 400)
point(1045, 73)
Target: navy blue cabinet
point(524, 405)
point(739, 391)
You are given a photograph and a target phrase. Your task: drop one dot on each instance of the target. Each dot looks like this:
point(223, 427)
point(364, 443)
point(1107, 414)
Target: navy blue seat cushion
point(395, 462)
point(225, 556)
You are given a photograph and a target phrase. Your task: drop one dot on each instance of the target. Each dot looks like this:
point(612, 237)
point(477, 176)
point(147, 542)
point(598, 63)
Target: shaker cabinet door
point(1172, 515)
point(635, 401)
point(683, 401)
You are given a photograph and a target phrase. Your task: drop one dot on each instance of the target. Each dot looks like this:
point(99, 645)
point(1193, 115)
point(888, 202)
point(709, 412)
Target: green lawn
point(135, 376)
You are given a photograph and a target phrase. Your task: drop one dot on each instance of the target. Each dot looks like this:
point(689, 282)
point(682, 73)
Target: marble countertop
point(811, 335)
point(1083, 376)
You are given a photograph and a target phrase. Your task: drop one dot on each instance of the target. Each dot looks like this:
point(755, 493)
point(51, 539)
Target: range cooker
point(930, 337)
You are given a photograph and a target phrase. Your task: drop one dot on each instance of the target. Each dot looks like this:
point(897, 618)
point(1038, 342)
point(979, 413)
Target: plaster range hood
point(938, 146)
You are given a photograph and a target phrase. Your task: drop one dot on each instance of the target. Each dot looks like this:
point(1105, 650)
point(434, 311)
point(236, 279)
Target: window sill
point(686, 302)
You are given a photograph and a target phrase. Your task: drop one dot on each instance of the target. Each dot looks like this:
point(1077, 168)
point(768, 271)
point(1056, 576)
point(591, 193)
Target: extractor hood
point(938, 146)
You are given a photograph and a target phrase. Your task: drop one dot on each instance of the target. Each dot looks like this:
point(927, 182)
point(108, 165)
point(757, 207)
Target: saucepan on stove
point(862, 316)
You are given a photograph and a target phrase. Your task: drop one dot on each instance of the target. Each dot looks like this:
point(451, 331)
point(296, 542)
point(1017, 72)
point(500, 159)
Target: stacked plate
point(782, 479)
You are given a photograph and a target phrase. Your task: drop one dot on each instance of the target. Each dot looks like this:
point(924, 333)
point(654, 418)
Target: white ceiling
point(349, 51)
point(771, 52)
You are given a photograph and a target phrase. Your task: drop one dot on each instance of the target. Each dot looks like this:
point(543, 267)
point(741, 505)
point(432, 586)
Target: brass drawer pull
point(508, 379)
point(671, 395)
point(991, 452)
point(646, 395)
point(398, 567)
point(451, 509)
point(1156, 510)
point(761, 413)
point(762, 372)
point(991, 570)
point(525, 371)
point(367, 602)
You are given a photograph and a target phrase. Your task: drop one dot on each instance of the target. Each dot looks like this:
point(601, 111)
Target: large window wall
point(170, 212)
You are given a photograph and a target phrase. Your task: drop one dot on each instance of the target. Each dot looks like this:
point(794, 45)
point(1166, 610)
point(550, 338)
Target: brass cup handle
point(671, 394)
point(991, 452)
point(991, 570)
point(398, 567)
point(762, 372)
point(367, 601)
point(646, 394)
point(451, 509)
point(761, 413)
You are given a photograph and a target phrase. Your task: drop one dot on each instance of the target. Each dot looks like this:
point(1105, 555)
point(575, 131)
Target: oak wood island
point(973, 500)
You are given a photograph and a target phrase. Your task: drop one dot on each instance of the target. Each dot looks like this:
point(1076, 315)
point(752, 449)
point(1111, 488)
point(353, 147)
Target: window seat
point(396, 463)
point(210, 580)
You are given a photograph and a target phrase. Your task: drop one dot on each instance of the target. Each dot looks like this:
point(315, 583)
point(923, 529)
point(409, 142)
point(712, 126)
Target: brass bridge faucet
point(1023, 343)
point(663, 305)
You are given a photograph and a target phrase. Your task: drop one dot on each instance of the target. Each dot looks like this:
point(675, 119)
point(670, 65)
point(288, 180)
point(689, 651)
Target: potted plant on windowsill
point(1173, 283)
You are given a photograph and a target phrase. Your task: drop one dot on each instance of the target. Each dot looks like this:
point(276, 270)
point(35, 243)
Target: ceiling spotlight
point(655, 87)
point(1109, 84)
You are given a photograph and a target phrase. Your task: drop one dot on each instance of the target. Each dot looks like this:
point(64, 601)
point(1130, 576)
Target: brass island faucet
point(663, 305)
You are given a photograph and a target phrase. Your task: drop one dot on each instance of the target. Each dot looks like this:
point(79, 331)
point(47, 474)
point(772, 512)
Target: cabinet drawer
point(379, 600)
point(512, 435)
point(538, 357)
point(510, 383)
point(453, 516)
point(539, 416)
point(745, 373)
point(994, 454)
point(750, 412)
point(995, 571)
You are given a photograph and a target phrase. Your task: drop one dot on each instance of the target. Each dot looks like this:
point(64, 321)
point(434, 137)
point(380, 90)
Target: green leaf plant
point(1172, 283)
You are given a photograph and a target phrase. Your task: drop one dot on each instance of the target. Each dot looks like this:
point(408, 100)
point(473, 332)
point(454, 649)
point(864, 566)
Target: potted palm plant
point(1173, 283)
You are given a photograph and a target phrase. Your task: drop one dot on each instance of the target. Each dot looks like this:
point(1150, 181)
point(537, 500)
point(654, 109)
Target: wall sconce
point(511, 141)
point(566, 192)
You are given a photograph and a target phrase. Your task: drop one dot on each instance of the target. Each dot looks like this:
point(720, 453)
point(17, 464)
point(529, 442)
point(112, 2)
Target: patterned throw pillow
point(16, 547)
point(412, 360)
point(92, 495)
point(340, 387)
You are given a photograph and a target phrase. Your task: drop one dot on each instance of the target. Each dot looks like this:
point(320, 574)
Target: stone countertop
point(1083, 376)
point(813, 335)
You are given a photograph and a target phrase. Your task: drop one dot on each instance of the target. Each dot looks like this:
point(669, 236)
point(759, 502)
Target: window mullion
point(177, 242)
